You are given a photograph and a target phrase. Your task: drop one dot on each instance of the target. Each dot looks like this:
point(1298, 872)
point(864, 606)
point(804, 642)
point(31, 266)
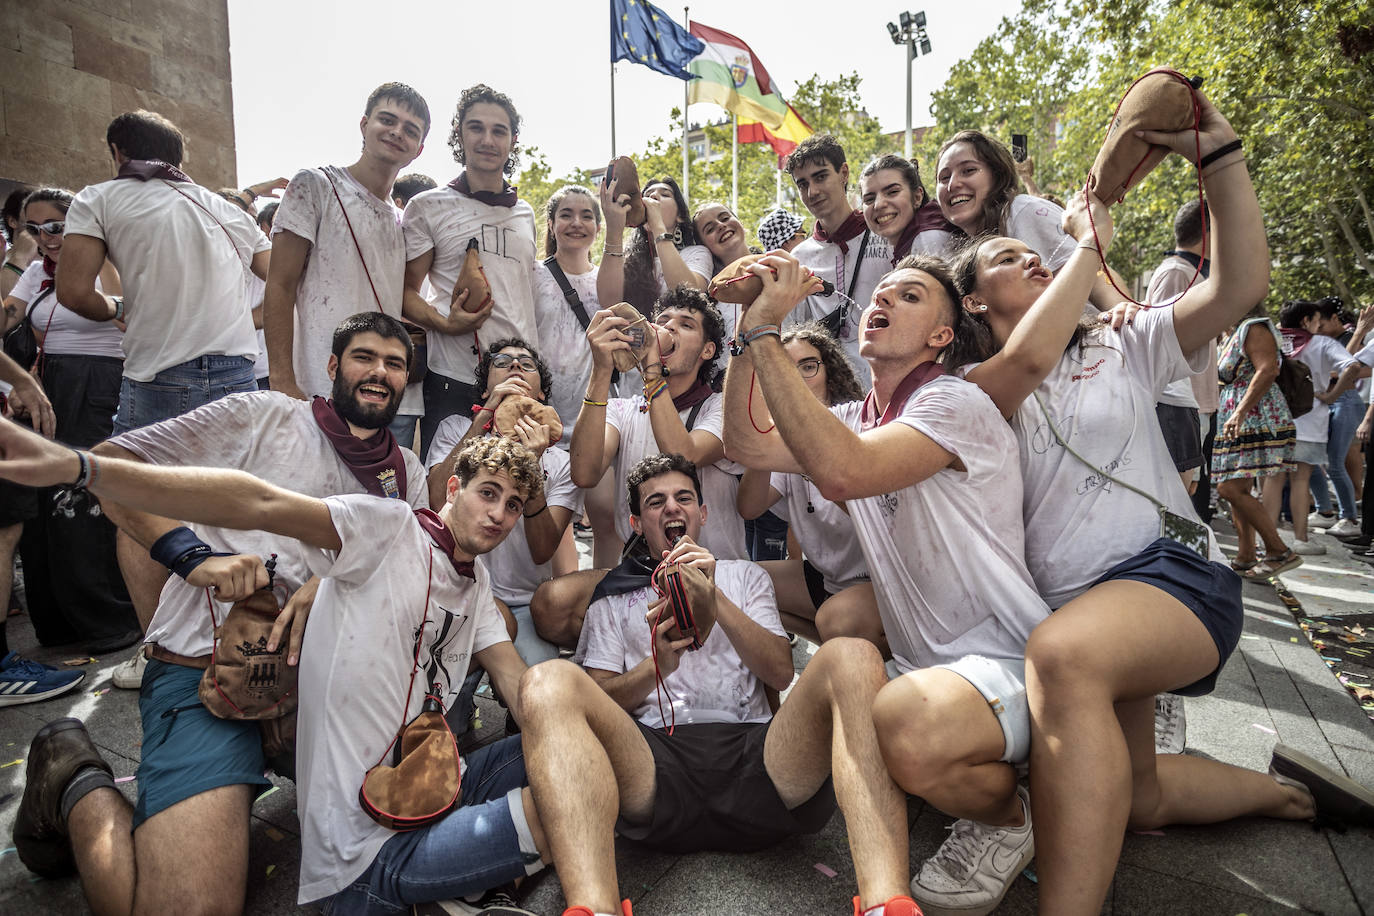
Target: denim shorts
point(476, 847)
point(1002, 682)
point(180, 389)
point(186, 749)
point(1209, 589)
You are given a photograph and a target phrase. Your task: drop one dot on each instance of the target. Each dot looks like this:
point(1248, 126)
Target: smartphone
point(610, 173)
point(1018, 147)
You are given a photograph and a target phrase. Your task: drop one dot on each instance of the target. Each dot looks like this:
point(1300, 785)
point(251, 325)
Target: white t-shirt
point(253, 289)
point(711, 684)
point(1102, 399)
point(1365, 355)
point(947, 552)
point(64, 331)
point(827, 262)
point(273, 437)
point(824, 530)
point(514, 575)
point(1168, 282)
point(335, 282)
point(723, 533)
point(182, 265)
point(356, 663)
point(443, 221)
point(1036, 221)
point(1323, 356)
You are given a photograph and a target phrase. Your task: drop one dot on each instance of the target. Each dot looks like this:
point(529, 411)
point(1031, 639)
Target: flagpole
point(687, 24)
point(734, 162)
point(777, 188)
point(612, 109)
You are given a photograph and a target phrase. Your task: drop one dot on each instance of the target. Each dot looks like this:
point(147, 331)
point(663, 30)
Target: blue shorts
point(186, 749)
point(180, 389)
point(482, 844)
point(1209, 589)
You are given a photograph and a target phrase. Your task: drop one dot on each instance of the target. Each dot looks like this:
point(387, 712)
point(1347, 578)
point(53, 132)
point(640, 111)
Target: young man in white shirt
point(841, 249)
point(399, 592)
point(718, 771)
point(337, 246)
point(182, 252)
point(929, 471)
point(478, 209)
point(199, 774)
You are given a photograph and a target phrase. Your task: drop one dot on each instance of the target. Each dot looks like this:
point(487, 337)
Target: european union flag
point(643, 33)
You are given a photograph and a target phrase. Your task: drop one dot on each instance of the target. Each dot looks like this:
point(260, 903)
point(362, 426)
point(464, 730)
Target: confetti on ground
point(11, 763)
point(825, 870)
point(77, 662)
point(270, 869)
point(267, 793)
point(5, 852)
point(1029, 875)
point(1264, 729)
point(123, 779)
point(275, 835)
point(101, 692)
point(1292, 639)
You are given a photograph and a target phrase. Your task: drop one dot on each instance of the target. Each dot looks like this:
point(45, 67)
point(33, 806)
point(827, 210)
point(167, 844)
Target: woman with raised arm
point(897, 207)
point(1144, 602)
point(661, 255)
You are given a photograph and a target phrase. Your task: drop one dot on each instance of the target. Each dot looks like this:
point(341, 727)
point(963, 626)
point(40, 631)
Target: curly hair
point(475, 95)
point(551, 209)
point(816, 148)
point(712, 325)
point(497, 455)
point(656, 466)
point(484, 364)
point(1006, 184)
point(641, 283)
point(841, 385)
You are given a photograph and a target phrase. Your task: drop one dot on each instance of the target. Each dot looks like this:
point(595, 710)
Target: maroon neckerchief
point(927, 217)
point(1297, 339)
point(851, 228)
point(506, 197)
point(49, 271)
point(925, 372)
point(376, 462)
point(692, 396)
point(145, 169)
point(443, 539)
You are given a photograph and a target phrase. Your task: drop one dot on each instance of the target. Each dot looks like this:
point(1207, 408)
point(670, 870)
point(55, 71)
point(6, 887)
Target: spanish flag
point(732, 77)
point(783, 140)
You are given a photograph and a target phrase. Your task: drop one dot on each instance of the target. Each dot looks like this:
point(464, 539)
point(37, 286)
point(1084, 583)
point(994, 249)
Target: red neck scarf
point(927, 217)
point(145, 169)
point(49, 271)
point(1297, 339)
point(692, 396)
point(377, 462)
point(851, 228)
point(443, 539)
point(506, 197)
point(922, 374)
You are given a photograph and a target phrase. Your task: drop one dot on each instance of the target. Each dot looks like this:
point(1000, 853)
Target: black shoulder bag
point(839, 316)
point(574, 301)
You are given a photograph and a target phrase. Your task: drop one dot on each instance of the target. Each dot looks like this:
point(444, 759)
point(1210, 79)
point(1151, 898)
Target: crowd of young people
point(989, 536)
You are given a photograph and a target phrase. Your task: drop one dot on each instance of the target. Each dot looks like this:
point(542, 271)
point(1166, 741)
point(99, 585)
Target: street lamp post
point(911, 31)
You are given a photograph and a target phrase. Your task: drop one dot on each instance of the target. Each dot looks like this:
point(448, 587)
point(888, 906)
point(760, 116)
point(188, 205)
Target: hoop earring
point(677, 236)
point(982, 308)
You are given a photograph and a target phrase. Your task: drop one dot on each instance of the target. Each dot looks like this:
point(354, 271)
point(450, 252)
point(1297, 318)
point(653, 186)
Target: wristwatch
point(119, 308)
point(664, 237)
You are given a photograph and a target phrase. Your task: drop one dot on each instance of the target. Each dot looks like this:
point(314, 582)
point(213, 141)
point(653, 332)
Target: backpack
point(1295, 382)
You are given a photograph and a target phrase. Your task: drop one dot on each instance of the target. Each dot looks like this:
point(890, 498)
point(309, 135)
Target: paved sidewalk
point(1276, 687)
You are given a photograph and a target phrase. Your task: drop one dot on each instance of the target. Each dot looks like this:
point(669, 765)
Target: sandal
point(1283, 562)
point(1258, 571)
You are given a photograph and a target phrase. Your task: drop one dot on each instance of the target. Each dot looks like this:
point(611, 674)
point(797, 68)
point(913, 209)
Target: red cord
point(1206, 230)
point(659, 687)
point(753, 375)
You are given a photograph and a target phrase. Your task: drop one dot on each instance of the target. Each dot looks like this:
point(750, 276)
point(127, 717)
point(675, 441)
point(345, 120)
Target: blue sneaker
point(25, 681)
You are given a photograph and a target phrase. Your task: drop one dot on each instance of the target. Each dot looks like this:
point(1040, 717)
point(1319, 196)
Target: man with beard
point(187, 836)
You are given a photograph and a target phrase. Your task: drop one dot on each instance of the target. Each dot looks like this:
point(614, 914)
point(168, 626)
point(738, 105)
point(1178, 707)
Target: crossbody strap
point(574, 301)
point(1068, 448)
point(356, 247)
point(415, 667)
point(247, 265)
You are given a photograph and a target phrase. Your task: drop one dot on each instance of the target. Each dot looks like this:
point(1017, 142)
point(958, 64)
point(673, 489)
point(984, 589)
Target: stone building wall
point(68, 66)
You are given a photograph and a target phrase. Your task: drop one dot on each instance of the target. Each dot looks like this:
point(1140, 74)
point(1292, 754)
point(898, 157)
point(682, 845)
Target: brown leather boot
point(58, 751)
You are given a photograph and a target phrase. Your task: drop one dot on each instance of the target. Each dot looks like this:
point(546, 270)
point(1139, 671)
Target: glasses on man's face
point(52, 227)
point(506, 360)
point(809, 367)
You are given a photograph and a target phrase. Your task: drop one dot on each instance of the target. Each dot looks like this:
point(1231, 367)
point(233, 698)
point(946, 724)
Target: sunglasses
point(52, 227)
point(505, 361)
point(809, 367)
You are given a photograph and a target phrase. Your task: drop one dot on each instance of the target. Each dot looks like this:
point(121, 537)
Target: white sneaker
point(1345, 528)
point(1307, 548)
point(971, 871)
point(1171, 727)
point(129, 674)
point(1317, 520)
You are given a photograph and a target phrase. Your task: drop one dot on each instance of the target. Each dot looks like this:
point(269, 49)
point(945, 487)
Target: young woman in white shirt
point(662, 254)
point(1138, 612)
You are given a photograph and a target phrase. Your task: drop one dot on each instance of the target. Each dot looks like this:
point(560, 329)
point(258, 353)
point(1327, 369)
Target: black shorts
point(815, 584)
point(712, 792)
point(17, 504)
point(1182, 434)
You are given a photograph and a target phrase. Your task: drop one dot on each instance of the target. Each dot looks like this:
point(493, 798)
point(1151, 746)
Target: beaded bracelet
point(762, 330)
